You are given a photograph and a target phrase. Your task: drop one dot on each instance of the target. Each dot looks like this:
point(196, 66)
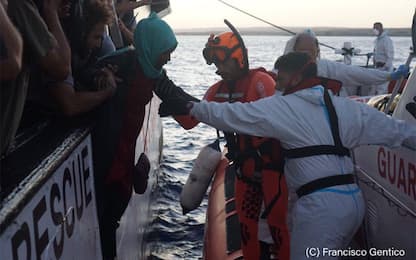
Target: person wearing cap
point(257, 161)
point(120, 121)
point(350, 76)
point(316, 130)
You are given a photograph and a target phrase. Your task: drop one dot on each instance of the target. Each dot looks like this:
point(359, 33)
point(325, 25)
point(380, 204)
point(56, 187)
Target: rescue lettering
point(399, 172)
point(55, 215)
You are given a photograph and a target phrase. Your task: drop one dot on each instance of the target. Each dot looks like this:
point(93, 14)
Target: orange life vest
point(257, 161)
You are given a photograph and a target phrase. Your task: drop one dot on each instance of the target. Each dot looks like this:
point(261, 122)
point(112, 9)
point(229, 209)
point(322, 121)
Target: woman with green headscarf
point(121, 119)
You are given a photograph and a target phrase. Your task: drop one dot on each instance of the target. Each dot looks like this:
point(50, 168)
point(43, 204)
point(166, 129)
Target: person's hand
point(106, 79)
point(122, 26)
point(402, 71)
point(175, 107)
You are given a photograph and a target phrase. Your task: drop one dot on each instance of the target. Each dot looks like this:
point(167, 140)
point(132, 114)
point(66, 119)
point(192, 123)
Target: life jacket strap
point(337, 149)
point(315, 150)
point(325, 182)
point(256, 154)
point(276, 197)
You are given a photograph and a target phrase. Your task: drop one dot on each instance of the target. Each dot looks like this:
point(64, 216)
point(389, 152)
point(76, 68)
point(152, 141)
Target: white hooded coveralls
point(384, 51)
point(327, 218)
point(352, 76)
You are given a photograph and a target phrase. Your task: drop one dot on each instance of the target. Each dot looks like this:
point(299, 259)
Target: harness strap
point(232, 146)
point(333, 120)
point(325, 182)
point(315, 150)
point(276, 197)
point(337, 149)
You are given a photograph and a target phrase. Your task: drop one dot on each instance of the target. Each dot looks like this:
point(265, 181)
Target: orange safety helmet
point(224, 46)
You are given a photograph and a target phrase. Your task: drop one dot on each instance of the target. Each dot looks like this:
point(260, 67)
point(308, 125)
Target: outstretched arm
point(10, 67)
point(73, 103)
point(353, 75)
point(165, 89)
point(57, 61)
point(253, 118)
point(394, 132)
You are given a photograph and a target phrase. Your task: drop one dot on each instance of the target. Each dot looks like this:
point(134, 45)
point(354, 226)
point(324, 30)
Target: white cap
point(290, 44)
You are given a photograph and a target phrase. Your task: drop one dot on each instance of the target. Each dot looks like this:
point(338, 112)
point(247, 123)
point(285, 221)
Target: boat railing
point(29, 167)
point(401, 207)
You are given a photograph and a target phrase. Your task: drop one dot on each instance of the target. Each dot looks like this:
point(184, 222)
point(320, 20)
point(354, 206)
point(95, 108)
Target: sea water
point(174, 236)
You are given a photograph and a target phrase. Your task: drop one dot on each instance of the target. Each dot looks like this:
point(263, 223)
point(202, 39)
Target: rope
point(147, 126)
point(267, 22)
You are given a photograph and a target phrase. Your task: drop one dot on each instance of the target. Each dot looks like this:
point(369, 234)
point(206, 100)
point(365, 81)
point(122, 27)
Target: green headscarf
point(152, 37)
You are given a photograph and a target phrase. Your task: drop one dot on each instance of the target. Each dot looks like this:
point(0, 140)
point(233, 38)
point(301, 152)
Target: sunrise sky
point(188, 14)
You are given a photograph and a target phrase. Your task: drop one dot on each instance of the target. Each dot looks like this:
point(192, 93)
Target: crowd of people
point(58, 55)
point(57, 59)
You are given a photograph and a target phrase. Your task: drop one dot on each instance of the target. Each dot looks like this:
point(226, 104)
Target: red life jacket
point(331, 84)
point(248, 148)
point(259, 170)
point(254, 153)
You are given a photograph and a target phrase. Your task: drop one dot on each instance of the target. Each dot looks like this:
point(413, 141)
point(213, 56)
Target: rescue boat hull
point(52, 213)
point(387, 178)
point(222, 227)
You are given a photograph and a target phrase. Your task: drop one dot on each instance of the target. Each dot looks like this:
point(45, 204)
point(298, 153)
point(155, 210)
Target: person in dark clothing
point(121, 118)
point(87, 86)
point(11, 47)
point(45, 46)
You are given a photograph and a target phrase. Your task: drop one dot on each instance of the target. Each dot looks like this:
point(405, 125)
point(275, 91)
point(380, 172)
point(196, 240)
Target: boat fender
point(200, 177)
point(141, 174)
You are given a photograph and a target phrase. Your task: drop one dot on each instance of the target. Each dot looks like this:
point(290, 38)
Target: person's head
point(228, 53)
point(154, 41)
point(307, 43)
point(378, 28)
point(304, 42)
point(293, 68)
point(97, 15)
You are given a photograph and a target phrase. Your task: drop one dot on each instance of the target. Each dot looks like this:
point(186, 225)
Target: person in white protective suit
point(350, 76)
point(383, 53)
point(383, 49)
point(317, 130)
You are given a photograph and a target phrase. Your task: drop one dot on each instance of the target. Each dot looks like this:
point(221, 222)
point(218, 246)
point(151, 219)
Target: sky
point(188, 14)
